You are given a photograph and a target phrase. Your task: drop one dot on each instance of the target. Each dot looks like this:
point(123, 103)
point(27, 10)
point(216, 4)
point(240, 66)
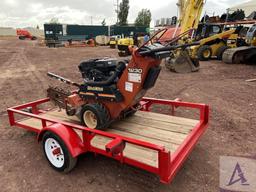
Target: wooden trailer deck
point(165, 130)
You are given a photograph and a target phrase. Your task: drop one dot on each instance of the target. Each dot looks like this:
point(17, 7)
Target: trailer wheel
point(94, 116)
point(204, 53)
point(57, 153)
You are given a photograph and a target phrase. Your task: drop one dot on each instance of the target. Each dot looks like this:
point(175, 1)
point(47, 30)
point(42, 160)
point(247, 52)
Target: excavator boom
point(190, 12)
point(189, 16)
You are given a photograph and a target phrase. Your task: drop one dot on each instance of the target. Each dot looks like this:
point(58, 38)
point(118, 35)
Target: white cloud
point(12, 3)
point(20, 13)
point(35, 7)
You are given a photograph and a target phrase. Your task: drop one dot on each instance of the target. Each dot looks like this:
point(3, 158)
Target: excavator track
point(239, 55)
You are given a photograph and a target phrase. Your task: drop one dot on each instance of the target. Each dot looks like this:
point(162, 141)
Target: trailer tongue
point(155, 142)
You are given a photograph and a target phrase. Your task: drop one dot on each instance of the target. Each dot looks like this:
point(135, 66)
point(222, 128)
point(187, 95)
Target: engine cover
point(97, 69)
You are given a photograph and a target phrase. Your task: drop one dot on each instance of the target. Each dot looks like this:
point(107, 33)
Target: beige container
point(7, 31)
point(102, 40)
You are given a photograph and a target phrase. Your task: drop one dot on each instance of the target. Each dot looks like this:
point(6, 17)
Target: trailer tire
point(95, 116)
point(62, 160)
point(204, 53)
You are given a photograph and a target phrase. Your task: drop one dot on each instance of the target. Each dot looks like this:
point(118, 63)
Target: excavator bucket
point(182, 63)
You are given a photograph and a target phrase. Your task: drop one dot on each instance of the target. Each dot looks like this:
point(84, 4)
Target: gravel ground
point(23, 66)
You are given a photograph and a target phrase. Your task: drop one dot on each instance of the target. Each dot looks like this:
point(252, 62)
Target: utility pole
point(91, 21)
point(117, 10)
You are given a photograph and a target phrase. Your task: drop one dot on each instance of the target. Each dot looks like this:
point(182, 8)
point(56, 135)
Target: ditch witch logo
point(237, 174)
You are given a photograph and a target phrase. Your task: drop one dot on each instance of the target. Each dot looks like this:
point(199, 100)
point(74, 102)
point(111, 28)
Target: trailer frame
point(168, 164)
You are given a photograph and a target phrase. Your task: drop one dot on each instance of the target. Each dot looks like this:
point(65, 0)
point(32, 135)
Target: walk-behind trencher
point(109, 115)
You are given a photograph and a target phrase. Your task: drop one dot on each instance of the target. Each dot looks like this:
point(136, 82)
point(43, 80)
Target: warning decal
point(134, 77)
point(128, 86)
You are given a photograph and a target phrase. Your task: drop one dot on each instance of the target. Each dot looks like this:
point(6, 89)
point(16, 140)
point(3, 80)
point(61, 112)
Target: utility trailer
point(155, 142)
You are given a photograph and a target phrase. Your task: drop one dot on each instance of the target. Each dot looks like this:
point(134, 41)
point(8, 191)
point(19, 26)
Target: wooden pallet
point(165, 130)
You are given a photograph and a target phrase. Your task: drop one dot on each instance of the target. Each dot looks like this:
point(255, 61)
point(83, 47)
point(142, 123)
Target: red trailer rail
point(150, 141)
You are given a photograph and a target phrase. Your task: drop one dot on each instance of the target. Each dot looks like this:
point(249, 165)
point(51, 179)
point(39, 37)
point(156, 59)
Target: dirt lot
point(23, 66)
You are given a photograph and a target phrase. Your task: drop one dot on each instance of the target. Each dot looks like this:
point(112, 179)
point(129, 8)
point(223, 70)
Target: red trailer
point(25, 34)
point(155, 142)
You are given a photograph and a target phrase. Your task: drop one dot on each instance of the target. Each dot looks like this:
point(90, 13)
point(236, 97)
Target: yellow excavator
point(242, 54)
point(214, 43)
point(211, 38)
point(189, 15)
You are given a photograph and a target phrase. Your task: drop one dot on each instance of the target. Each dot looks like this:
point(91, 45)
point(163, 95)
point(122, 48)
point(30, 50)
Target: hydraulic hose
point(110, 80)
point(167, 48)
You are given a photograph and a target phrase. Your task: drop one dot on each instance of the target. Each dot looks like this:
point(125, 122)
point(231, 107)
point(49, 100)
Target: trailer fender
point(68, 136)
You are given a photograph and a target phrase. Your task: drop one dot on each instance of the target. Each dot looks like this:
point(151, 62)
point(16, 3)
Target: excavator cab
point(251, 36)
point(205, 30)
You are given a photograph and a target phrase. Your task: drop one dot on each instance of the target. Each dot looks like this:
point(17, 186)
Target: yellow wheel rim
point(207, 53)
point(90, 119)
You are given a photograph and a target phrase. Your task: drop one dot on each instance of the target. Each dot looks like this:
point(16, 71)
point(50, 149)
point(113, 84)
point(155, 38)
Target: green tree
point(123, 12)
point(54, 20)
point(103, 23)
point(143, 18)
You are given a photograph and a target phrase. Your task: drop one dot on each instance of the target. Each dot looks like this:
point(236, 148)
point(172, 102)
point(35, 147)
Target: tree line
point(143, 18)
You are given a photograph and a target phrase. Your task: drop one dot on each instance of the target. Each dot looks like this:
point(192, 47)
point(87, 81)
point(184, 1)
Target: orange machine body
point(23, 32)
point(132, 87)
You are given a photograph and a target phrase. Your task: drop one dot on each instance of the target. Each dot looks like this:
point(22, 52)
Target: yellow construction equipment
point(214, 45)
point(242, 54)
point(189, 14)
point(113, 41)
point(211, 38)
point(123, 46)
point(124, 43)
